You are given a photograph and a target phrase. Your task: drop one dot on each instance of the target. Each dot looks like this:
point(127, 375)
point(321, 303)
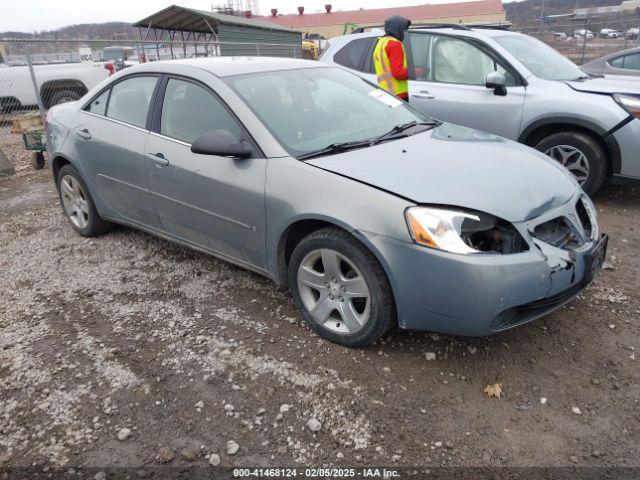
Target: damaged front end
point(485, 274)
point(562, 235)
point(569, 240)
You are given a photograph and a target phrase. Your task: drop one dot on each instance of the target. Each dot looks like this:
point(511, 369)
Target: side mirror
point(221, 143)
point(498, 82)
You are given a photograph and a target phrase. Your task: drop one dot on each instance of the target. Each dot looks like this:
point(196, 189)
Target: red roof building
point(331, 23)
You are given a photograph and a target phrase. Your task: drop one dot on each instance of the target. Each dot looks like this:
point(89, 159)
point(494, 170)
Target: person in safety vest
point(390, 59)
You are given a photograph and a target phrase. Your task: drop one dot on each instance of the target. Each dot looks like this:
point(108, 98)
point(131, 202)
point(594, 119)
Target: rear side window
point(354, 54)
point(632, 62)
point(628, 62)
point(130, 99)
point(99, 104)
point(189, 111)
point(617, 62)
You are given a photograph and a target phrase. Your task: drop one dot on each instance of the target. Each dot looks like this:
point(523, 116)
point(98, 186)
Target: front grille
point(558, 232)
point(570, 232)
point(530, 311)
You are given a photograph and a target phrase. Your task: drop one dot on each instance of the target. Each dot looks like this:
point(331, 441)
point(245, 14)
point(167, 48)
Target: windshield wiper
point(395, 132)
point(335, 148)
point(399, 130)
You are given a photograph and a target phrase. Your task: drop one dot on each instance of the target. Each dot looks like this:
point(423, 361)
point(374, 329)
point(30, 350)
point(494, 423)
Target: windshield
point(112, 55)
point(543, 61)
point(116, 54)
point(310, 109)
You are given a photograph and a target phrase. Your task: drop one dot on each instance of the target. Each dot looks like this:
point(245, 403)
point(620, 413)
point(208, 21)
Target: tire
point(566, 148)
point(37, 160)
point(356, 315)
point(78, 205)
point(63, 96)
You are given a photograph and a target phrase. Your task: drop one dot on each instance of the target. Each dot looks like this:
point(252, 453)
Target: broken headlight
point(464, 232)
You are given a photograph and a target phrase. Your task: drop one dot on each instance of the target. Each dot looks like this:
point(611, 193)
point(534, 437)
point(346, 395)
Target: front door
point(216, 203)
point(448, 83)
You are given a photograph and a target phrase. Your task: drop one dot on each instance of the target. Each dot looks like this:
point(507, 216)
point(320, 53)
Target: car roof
point(227, 66)
point(469, 31)
point(462, 31)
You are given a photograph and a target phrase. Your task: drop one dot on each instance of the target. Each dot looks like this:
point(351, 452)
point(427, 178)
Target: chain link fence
point(38, 74)
point(583, 40)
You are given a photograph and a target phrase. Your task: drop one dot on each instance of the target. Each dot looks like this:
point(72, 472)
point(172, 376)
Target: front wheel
point(340, 288)
point(580, 154)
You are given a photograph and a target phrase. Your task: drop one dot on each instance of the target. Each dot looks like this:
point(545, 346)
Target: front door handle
point(423, 94)
point(84, 133)
point(158, 159)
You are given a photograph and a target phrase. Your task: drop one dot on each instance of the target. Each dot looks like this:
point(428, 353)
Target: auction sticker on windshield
point(385, 98)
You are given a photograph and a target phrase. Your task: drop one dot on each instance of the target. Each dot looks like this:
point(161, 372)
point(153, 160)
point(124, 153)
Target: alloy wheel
point(573, 160)
point(74, 201)
point(334, 291)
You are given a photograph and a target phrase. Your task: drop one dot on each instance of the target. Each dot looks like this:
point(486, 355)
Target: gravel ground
point(130, 351)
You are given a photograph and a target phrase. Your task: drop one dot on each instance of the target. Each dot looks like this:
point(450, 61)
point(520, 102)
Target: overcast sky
point(30, 15)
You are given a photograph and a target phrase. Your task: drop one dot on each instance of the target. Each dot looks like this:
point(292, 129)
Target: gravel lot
point(127, 350)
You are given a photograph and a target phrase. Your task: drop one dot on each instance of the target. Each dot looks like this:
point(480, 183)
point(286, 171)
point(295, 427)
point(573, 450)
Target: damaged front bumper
point(476, 295)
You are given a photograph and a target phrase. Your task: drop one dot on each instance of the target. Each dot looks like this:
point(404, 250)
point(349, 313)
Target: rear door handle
point(84, 133)
point(158, 159)
point(423, 94)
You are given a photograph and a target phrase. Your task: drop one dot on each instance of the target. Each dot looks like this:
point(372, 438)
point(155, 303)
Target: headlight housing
point(464, 232)
point(631, 103)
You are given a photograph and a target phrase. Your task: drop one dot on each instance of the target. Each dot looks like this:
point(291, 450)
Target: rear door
point(212, 202)
point(111, 143)
point(448, 76)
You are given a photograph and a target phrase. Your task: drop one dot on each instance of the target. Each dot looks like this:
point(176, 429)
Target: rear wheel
point(340, 288)
point(78, 204)
point(580, 154)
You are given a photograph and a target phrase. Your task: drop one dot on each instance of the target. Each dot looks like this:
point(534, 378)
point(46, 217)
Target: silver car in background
point(624, 62)
point(373, 214)
point(515, 86)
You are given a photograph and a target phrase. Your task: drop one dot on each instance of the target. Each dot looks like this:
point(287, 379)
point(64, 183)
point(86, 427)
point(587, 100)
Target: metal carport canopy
point(177, 18)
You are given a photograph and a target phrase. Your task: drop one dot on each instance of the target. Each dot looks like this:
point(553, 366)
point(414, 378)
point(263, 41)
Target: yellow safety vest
point(383, 68)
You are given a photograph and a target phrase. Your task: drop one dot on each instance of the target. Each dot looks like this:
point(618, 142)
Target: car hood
point(456, 166)
point(607, 85)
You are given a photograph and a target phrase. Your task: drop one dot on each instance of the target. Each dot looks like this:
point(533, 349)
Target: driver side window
point(451, 60)
point(189, 111)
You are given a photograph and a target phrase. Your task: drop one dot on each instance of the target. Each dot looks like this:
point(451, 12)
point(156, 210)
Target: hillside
point(85, 30)
point(528, 12)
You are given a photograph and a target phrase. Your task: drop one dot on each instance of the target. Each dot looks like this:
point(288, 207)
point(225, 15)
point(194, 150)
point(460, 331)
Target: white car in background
point(583, 33)
point(517, 87)
point(57, 83)
point(610, 33)
point(633, 33)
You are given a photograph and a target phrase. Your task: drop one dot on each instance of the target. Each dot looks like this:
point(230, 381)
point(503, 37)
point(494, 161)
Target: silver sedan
point(624, 62)
point(373, 214)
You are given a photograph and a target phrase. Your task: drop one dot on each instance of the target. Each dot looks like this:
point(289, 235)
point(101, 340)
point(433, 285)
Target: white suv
point(517, 87)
